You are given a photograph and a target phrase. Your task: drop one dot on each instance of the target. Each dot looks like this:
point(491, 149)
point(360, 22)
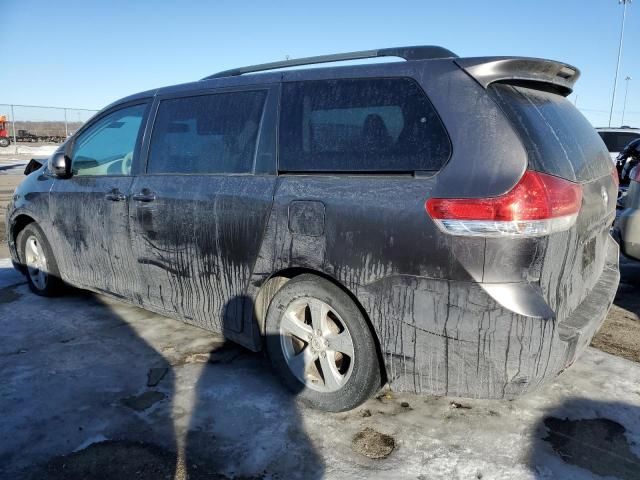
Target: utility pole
point(615, 81)
point(626, 90)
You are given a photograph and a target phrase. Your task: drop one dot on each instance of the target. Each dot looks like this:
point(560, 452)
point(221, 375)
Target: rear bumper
point(453, 338)
point(576, 331)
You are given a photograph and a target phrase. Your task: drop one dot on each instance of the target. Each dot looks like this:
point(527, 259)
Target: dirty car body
point(358, 175)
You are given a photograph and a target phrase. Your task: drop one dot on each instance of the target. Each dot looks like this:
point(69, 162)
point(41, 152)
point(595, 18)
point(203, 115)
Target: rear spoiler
point(535, 72)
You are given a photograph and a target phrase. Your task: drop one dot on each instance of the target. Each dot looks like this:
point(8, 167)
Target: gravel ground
point(620, 334)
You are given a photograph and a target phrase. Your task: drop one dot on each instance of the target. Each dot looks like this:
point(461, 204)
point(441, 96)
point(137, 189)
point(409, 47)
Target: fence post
point(13, 125)
point(66, 129)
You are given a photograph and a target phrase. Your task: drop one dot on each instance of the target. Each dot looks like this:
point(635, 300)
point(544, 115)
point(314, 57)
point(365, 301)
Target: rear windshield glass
point(360, 125)
point(558, 138)
point(616, 141)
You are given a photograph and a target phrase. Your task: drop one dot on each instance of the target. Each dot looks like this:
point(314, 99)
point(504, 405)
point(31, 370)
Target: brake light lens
point(539, 204)
point(616, 176)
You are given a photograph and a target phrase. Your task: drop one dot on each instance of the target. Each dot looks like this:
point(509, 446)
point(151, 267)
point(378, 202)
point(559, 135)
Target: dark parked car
point(440, 223)
point(617, 138)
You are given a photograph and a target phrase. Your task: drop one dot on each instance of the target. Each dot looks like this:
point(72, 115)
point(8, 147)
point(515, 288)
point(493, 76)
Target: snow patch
point(40, 150)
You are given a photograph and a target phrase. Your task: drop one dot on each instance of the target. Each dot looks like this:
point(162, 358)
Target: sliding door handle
point(145, 195)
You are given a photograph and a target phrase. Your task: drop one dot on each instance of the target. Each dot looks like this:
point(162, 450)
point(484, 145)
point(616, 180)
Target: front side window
point(207, 134)
point(107, 146)
point(360, 125)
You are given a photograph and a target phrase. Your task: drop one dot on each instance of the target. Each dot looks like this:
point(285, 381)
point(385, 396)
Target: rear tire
point(321, 346)
point(40, 265)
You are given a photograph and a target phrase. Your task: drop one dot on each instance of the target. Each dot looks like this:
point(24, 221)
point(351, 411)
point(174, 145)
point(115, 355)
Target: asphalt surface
point(93, 388)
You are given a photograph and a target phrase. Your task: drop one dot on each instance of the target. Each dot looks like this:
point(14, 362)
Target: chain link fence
point(30, 129)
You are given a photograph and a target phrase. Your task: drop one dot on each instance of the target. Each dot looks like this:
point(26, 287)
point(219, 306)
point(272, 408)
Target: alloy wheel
point(317, 345)
point(36, 262)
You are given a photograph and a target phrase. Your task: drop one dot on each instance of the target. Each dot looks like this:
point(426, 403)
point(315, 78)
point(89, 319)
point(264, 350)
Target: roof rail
point(419, 52)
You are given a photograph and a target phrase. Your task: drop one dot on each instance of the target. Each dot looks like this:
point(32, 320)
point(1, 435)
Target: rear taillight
point(539, 204)
point(616, 176)
point(635, 173)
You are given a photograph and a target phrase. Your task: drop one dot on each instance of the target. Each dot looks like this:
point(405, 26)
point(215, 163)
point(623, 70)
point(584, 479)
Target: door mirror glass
point(60, 165)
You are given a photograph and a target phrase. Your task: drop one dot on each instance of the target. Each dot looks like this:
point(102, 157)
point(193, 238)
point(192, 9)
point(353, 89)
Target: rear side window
point(360, 125)
point(207, 133)
point(559, 140)
point(616, 141)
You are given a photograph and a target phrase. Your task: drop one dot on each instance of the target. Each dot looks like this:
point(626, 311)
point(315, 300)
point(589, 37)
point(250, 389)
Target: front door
point(89, 211)
point(200, 210)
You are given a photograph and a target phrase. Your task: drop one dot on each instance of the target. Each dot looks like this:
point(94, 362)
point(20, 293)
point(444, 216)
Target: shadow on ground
point(590, 436)
point(86, 394)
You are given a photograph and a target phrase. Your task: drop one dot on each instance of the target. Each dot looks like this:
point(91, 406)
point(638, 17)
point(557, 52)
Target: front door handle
point(115, 195)
point(145, 195)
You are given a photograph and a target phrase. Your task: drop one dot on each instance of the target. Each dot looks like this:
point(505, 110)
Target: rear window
point(558, 138)
point(616, 141)
point(360, 125)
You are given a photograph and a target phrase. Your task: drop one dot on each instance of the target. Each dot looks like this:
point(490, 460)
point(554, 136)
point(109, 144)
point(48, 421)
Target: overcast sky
point(87, 54)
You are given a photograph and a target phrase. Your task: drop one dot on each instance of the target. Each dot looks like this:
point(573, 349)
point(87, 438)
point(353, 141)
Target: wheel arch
point(16, 225)
point(277, 280)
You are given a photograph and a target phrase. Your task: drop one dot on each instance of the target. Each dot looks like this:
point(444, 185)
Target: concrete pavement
point(93, 388)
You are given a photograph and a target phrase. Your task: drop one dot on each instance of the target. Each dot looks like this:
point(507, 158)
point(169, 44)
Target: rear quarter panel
point(439, 330)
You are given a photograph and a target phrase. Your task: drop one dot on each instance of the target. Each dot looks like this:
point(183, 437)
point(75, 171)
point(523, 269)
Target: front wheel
point(4, 142)
point(41, 267)
point(321, 346)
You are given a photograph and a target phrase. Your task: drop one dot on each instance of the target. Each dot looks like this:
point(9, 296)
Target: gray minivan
point(440, 224)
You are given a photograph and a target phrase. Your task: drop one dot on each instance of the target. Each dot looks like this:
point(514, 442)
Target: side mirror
point(60, 165)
